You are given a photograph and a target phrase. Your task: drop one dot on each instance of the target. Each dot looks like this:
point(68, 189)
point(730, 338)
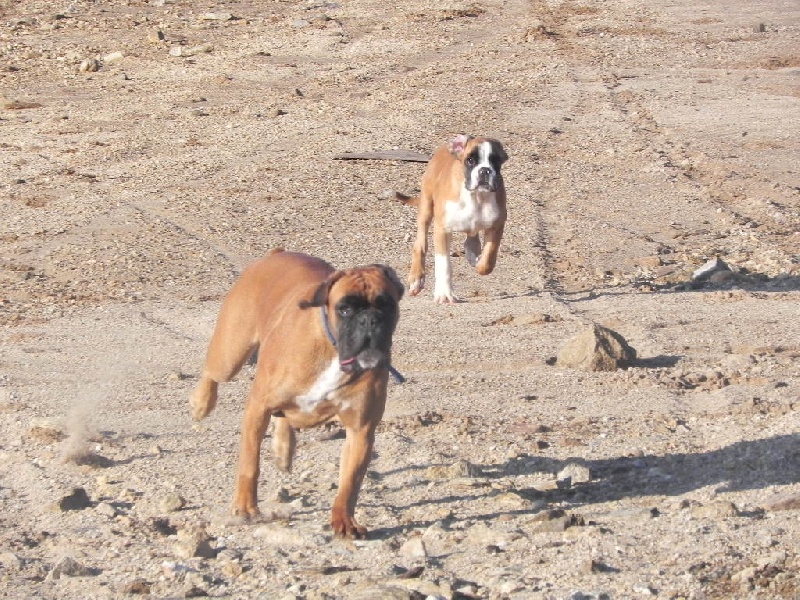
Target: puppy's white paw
point(416, 286)
point(445, 299)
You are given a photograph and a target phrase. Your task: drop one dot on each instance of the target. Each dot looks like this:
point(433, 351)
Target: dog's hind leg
point(254, 426)
point(416, 277)
point(234, 341)
point(284, 442)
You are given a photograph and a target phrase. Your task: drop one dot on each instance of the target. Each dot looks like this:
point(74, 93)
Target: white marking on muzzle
point(484, 152)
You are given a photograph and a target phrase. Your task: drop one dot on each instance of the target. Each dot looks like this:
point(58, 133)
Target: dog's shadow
point(745, 465)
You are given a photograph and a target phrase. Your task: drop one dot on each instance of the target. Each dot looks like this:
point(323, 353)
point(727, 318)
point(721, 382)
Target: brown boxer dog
point(324, 340)
point(462, 191)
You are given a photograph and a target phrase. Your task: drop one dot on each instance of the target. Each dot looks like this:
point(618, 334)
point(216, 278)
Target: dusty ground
point(645, 139)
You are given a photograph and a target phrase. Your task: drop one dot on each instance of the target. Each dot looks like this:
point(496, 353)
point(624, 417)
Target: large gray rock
point(597, 349)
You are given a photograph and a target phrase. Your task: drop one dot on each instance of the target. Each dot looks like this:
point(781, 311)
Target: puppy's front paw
point(472, 249)
point(445, 298)
point(415, 286)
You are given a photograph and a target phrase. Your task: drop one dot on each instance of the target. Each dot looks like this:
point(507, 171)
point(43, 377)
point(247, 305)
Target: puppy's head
point(363, 308)
point(482, 159)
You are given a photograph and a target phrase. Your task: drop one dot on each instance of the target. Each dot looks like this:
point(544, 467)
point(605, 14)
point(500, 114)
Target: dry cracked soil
point(150, 150)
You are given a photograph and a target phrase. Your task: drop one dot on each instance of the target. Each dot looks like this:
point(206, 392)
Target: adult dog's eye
point(345, 311)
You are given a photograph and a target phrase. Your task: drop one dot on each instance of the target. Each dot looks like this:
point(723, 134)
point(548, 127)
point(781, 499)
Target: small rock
point(275, 535)
point(194, 591)
point(77, 500)
point(216, 16)
point(67, 567)
point(46, 432)
point(573, 473)
point(300, 23)
point(643, 589)
point(716, 510)
point(104, 508)
point(414, 549)
point(9, 561)
point(194, 542)
point(744, 575)
point(138, 586)
point(89, 65)
point(556, 520)
point(177, 571)
point(171, 503)
point(791, 502)
point(759, 28)
point(113, 57)
point(192, 51)
point(155, 37)
point(597, 349)
point(461, 468)
point(714, 265)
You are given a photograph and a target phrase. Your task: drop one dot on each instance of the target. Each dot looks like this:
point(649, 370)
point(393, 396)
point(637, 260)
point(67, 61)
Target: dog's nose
point(368, 319)
point(484, 173)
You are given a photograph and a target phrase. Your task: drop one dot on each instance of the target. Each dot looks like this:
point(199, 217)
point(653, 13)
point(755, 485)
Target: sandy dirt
point(150, 150)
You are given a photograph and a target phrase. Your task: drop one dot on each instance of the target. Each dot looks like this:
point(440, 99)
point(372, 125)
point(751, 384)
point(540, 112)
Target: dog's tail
point(407, 200)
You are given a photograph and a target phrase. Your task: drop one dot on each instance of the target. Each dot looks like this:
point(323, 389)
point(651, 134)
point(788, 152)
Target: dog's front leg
point(491, 246)
point(254, 426)
point(443, 269)
point(356, 454)
point(472, 249)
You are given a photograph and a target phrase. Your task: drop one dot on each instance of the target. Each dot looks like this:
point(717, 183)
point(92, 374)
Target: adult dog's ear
point(391, 275)
point(320, 297)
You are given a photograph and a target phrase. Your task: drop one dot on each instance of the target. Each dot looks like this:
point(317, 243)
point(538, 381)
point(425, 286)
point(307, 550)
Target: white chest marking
point(471, 212)
point(326, 384)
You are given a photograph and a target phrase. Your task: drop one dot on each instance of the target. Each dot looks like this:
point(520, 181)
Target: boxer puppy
point(462, 191)
point(324, 340)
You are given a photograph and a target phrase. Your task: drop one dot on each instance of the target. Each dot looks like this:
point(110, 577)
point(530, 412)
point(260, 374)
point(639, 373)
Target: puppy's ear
point(391, 275)
point(458, 143)
point(497, 148)
point(320, 297)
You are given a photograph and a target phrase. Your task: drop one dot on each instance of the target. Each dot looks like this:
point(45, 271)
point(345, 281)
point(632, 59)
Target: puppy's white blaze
point(484, 152)
point(472, 212)
point(443, 286)
point(326, 384)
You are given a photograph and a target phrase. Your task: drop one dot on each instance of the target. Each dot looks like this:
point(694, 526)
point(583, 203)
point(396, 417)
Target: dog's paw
point(445, 298)
point(346, 527)
point(415, 286)
point(245, 513)
point(483, 269)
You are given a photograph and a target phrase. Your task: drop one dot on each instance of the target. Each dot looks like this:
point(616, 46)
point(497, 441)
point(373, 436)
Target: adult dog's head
point(482, 158)
point(362, 308)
